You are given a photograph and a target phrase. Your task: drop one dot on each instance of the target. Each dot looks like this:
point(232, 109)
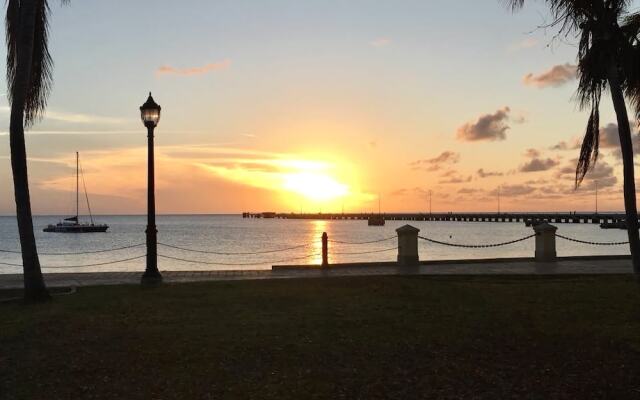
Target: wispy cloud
point(524, 44)
point(287, 174)
point(92, 132)
point(192, 71)
point(75, 118)
point(436, 163)
point(486, 174)
point(556, 76)
point(513, 190)
point(381, 42)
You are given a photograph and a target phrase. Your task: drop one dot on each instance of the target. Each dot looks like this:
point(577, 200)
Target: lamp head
point(150, 113)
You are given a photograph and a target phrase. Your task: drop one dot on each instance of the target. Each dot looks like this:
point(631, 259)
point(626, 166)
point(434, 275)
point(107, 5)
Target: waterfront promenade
point(520, 266)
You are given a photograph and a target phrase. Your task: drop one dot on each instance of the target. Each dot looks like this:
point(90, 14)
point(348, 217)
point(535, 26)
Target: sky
point(289, 105)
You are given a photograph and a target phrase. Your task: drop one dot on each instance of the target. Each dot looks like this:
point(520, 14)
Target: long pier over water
point(527, 218)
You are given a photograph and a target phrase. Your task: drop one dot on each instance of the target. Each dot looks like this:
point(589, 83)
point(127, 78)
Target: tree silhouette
point(29, 79)
point(608, 59)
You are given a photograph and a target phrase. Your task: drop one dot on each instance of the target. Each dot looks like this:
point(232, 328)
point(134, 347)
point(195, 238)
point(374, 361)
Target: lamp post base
point(151, 278)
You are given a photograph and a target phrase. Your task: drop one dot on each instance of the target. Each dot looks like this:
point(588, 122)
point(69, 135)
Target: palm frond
point(40, 78)
point(590, 143)
point(12, 30)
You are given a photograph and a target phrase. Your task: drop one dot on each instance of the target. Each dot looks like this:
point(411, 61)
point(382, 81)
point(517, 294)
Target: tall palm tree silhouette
point(608, 58)
point(29, 81)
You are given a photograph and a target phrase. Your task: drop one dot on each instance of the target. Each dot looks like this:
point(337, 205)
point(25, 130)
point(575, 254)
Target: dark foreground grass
point(340, 338)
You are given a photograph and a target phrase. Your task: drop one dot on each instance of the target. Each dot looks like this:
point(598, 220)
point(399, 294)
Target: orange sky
point(313, 106)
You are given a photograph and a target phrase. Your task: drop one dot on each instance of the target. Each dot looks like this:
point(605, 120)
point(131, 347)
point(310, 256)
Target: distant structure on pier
point(527, 218)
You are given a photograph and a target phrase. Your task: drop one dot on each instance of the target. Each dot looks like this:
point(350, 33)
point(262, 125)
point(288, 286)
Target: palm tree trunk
point(626, 147)
point(34, 287)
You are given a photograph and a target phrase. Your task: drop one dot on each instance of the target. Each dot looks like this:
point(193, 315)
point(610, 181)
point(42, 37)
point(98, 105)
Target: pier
point(529, 218)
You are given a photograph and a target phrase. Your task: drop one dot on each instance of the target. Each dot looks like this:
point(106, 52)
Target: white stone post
point(408, 245)
point(545, 241)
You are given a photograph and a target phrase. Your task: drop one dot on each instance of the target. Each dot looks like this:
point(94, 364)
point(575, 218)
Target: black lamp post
point(150, 114)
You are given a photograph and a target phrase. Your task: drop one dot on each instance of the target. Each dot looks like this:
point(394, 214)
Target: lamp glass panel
point(150, 115)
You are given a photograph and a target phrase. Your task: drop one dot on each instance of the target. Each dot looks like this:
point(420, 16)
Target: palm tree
point(29, 80)
point(608, 58)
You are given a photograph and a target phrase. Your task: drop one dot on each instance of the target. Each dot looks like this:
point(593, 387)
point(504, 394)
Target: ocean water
point(234, 234)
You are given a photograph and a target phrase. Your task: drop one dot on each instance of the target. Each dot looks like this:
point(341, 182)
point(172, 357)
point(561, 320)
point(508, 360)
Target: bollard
point(325, 249)
point(408, 245)
point(545, 242)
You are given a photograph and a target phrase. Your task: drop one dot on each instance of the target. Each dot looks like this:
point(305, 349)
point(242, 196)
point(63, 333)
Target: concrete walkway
point(572, 265)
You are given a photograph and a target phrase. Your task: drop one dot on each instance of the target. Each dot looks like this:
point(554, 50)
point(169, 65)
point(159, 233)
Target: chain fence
point(326, 250)
point(359, 243)
point(476, 246)
point(220, 253)
point(363, 252)
point(77, 253)
point(591, 243)
point(79, 266)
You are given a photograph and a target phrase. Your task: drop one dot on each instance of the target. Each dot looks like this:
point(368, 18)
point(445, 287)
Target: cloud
point(192, 71)
point(454, 177)
point(538, 164)
point(561, 146)
point(532, 153)
point(92, 132)
point(381, 42)
point(489, 127)
point(75, 118)
point(210, 169)
point(436, 163)
point(412, 192)
point(610, 139)
point(470, 191)
point(526, 43)
point(557, 76)
point(602, 172)
point(486, 174)
point(513, 190)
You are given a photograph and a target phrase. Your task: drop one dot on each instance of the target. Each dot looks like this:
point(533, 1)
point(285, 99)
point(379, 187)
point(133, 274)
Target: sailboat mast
point(77, 188)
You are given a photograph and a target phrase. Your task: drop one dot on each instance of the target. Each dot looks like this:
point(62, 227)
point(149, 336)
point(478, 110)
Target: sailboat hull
point(79, 228)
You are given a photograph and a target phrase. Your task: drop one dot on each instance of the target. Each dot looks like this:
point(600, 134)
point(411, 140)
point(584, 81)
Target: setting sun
point(314, 186)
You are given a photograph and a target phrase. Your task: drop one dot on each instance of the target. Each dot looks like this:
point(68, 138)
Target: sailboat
point(73, 224)
point(376, 220)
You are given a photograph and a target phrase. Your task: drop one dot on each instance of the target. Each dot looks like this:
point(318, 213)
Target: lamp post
point(150, 114)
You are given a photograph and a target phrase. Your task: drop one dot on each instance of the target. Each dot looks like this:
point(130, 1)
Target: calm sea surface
point(233, 234)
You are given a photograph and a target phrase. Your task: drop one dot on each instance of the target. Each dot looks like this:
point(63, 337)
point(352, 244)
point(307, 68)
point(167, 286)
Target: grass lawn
point(338, 338)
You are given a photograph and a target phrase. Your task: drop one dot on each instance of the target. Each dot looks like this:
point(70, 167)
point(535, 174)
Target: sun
point(315, 186)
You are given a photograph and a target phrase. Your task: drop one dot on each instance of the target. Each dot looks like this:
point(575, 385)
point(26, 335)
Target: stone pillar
point(545, 241)
point(408, 245)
